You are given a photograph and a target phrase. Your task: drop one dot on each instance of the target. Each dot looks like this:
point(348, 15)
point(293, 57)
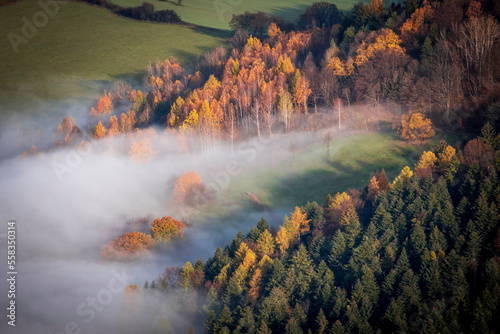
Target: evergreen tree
point(321, 323)
point(349, 222)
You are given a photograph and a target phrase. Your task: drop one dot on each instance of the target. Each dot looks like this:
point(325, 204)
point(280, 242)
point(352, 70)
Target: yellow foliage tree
point(445, 157)
point(427, 160)
point(339, 199)
point(250, 259)
point(405, 175)
point(191, 121)
point(173, 117)
point(417, 127)
point(282, 240)
point(265, 263)
point(221, 278)
point(299, 222)
point(285, 65)
point(265, 243)
point(385, 39)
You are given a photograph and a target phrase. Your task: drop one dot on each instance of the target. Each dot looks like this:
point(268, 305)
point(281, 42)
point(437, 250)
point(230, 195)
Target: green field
point(310, 176)
point(83, 48)
point(218, 13)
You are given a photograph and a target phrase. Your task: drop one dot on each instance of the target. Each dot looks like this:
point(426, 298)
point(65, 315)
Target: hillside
point(82, 49)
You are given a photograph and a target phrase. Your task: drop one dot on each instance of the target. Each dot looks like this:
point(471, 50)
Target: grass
point(217, 13)
point(310, 176)
point(82, 49)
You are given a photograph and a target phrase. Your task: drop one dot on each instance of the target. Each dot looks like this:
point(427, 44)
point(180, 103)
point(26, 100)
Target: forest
point(420, 254)
point(436, 61)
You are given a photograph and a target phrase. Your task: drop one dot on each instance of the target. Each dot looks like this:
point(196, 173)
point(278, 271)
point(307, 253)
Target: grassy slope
point(218, 13)
point(352, 160)
point(83, 48)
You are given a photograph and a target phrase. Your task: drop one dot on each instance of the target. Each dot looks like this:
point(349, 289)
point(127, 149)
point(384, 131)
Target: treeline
point(428, 60)
point(419, 255)
point(145, 12)
point(421, 58)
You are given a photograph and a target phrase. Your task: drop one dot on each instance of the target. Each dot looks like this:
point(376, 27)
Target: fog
point(68, 203)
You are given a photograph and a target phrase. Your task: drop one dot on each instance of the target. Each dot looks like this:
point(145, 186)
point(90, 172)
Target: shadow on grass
point(350, 167)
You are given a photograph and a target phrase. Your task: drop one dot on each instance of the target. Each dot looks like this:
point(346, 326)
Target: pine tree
point(350, 224)
point(417, 241)
point(321, 322)
point(265, 243)
point(403, 264)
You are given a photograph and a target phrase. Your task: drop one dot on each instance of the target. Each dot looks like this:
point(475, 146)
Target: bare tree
point(446, 76)
point(475, 39)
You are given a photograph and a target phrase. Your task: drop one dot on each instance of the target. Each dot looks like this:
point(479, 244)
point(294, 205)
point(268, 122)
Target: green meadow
point(84, 48)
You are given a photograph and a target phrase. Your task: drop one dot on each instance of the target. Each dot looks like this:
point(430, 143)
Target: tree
point(446, 72)
point(300, 91)
point(320, 14)
point(476, 38)
point(255, 286)
point(186, 272)
point(349, 222)
point(299, 224)
point(128, 246)
point(113, 128)
point(282, 240)
point(378, 41)
point(426, 164)
point(418, 23)
point(104, 106)
point(417, 127)
point(184, 184)
point(285, 108)
point(321, 322)
point(265, 243)
point(478, 152)
point(166, 229)
point(100, 131)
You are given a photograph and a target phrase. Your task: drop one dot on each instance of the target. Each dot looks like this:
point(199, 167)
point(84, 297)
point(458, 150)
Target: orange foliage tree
point(189, 190)
point(418, 23)
point(167, 228)
point(417, 127)
point(104, 106)
point(128, 246)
